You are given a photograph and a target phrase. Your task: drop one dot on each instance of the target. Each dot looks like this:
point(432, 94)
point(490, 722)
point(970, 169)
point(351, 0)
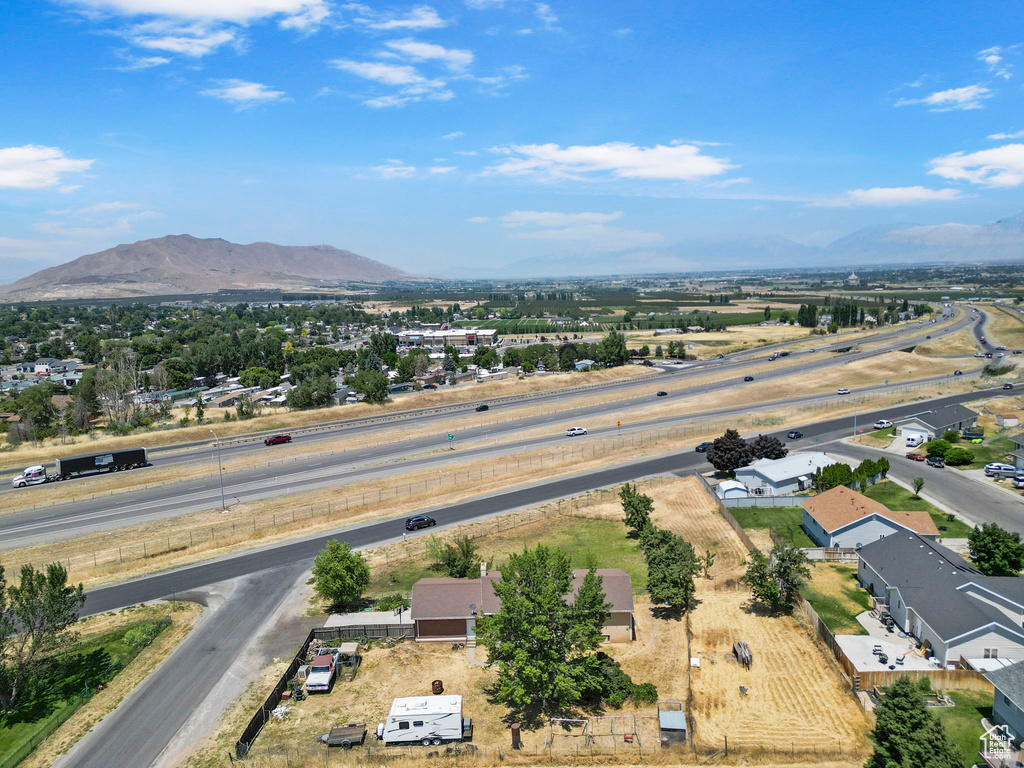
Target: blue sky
point(454, 137)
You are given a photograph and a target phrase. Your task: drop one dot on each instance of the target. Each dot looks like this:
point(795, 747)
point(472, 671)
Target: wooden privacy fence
point(941, 679)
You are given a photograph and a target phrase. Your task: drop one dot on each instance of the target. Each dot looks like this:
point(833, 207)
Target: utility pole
point(220, 473)
point(854, 403)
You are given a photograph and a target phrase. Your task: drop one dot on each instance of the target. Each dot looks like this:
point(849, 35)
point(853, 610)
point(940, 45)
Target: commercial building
point(454, 337)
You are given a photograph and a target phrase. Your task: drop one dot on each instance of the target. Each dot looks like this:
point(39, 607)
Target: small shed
point(731, 489)
point(1007, 420)
point(671, 722)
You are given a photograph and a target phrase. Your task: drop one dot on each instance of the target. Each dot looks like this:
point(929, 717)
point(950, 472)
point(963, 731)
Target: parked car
point(703, 447)
point(483, 407)
point(999, 469)
point(573, 431)
point(662, 394)
point(988, 355)
point(979, 354)
point(416, 522)
point(1018, 481)
point(882, 424)
point(916, 456)
point(430, 386)
point(1007, 385)
point(936, 461)
point(842, 391)
point(278, 440)
point(794, 434)
point(748, 378)
point(322, 673)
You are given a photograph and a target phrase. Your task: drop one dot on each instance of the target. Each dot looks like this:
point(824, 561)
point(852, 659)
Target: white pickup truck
point(324, 669)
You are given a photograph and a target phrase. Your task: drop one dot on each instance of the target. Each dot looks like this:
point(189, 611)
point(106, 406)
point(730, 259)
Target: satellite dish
point(472, 606)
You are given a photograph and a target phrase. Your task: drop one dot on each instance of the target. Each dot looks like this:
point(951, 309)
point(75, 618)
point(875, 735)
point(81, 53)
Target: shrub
point(959, 457)
point(937, 448)
point(645, 693)
point(144, 634)
point(950, 436)
point(390, 602)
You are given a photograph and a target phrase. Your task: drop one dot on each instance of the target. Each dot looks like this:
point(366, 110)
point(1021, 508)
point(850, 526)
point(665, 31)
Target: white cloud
point(412, 86)
point(616, 159)
point(504, 77)
point(552, 219)
point(244, 94)
point(97, 208)
point(453, 135)
point(481, 4)
point(94, 227)
point(478, 219)
point(194, 40)
point(1002, 136)
point(546, 16)
point(137, 63)
point(439, 169)
point(36, 167)
point(968, 97)
point(394, 169)
point(995, 59)
point(455, 59)
point(235, 11)
point(890, 196)
point(997, 167)
point(624, 32)
point(420, 17)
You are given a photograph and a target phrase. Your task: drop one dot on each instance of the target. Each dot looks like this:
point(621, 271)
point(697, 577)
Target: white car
point(882, 424)
point(842, 391)
point(573, 431)
point(998, 468)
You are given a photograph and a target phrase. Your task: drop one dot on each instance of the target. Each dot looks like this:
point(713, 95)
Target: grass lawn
point(963, 722)
point(994, 449)
point(601, 543)
point(69, 679)
point(898, 498)
point(785, 520)
point(881, 434)
point(834, 594)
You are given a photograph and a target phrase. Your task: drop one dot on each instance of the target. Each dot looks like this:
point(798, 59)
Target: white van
point(914, 440)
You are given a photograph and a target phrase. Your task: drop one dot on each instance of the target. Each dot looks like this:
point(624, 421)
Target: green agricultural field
point(898, 498)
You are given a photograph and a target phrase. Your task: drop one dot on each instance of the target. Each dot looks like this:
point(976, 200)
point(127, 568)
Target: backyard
point(785, 520)
point(836, 597)
point(898, 498)
point(963, 722)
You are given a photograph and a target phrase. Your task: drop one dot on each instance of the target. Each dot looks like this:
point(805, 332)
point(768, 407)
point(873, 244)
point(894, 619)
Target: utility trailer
point(345, 736)
point(427, 720)
point(110, 461)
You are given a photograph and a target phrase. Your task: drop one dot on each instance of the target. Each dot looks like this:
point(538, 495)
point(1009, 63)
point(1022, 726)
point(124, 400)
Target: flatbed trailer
point(345, 736)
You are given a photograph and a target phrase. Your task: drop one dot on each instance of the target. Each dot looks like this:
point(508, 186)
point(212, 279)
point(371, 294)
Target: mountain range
point(182, 264)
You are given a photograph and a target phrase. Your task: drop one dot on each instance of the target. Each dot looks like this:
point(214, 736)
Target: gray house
point(779, 477)
point(944, 601)
point(1018, 450)
point(1008, 699)
point(929, 425)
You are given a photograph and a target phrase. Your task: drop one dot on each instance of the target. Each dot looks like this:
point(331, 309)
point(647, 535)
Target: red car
point(916, 456)
point(277, 440)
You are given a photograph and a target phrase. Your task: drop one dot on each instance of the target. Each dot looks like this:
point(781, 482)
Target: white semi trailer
point(427, 720)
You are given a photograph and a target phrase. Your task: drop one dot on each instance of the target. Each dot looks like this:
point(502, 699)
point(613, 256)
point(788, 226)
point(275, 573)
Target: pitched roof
point(448, 598)
point(932, 581)
point(840, 507)
point(940, 418)
point(792, 466)
point(1010, 682)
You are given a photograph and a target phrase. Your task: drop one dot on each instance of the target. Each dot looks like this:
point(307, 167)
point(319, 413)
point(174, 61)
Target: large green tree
point(339, 574)
point(995, 551)
point(372, 385)
point(768, 447)
point(259, 376)
point(774, 579)
point(906, 735)
point(729, 452)
point(637, 508)
point(672, 565)
point(612, 351)
point(35, 617)
point(541, 639)
point(457, 559)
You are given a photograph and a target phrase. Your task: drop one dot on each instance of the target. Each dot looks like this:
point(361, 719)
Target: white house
point(779, 477)
point(844, 518)
point(929, 425)
point(944, 601)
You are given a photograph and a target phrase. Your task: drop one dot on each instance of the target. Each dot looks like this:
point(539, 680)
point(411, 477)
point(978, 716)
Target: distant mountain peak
point(183, 264)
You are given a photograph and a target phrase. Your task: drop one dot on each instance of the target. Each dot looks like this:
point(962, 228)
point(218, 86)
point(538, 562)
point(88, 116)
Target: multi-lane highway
point(261, 482)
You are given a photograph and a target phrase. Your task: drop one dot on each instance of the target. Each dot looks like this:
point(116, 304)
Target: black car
point(936, 461)
point(795, 434)
point(483, 407)
point(703, 447)
point(416, 522)
point(748, 378)
point(958, 372)
point(662, 394)
point(1007, 385)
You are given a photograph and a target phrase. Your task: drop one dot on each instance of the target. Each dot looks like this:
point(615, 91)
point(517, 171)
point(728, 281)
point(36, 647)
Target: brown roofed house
point(844, 518)
point(445, 609)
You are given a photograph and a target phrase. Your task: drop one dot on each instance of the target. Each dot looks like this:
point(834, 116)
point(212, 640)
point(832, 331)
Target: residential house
point(584, 365)
point(944, 601)
point(446, 609)
point(844, 518)
point(1008, 698)
point(929, 425)
point(1018, 450)
point(780, 477)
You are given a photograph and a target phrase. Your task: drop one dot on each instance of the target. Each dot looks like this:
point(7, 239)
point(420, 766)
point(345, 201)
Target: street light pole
point(220, 472)
point(854, 404)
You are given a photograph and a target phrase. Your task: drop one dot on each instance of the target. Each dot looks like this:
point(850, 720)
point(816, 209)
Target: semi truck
point(66, 468)
point(425, 720)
